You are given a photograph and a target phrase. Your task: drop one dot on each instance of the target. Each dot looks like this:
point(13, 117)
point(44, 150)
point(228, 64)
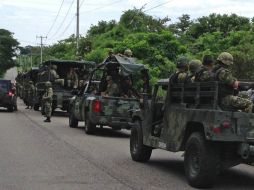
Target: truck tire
point(201, 161)
point(139, 152)
point(36, 107)
point(73, 122)
point(89, 127)
point(10, 109)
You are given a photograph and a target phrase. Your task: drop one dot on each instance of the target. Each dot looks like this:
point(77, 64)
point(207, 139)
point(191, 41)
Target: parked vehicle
point(7, 96)
point(188, 117)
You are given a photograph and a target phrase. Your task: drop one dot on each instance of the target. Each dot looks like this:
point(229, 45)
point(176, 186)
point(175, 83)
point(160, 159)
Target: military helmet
point(128, 52)
point(110, 51)
point(207, 60)
point(54, 67)
point(225, 58)
point(194, 65)
point(182, 62)
point(48, 84)
point(30, 82)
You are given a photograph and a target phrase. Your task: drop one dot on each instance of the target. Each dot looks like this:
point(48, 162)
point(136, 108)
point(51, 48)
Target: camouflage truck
point(189, 117)
point(31, 75)
point(62, 93)
point(96, 109)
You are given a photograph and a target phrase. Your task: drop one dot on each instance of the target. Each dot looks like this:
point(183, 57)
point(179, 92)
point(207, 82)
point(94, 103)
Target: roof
point(69, 62)
point(128, 65)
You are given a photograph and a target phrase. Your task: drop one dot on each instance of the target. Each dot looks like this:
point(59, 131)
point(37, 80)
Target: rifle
point(243, 86)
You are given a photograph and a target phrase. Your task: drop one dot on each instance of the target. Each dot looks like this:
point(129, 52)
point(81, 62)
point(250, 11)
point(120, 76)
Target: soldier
point(128, 53)
point(181, 75)
point(194, 66)
point(204, 74)
point(72, 79)
point(47, 99)
point(30, 95)
point(53, 74)
point(112, 88)
point(127, 91)
point(226, 96)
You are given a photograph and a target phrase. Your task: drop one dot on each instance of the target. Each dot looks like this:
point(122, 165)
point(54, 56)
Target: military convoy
point(189, 117)
point(177, 117)
point(62, 92)
point(97, 109)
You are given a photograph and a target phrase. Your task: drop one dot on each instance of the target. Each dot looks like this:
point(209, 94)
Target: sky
point(30, 18)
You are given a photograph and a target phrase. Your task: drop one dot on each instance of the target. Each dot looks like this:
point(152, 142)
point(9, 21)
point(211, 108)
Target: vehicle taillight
point(9, 93)
point(226, 125)
point(96, 106)
point(216, 130)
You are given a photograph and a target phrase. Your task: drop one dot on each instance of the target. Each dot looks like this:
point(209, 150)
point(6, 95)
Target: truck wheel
point(139, 152)
point(10, 109)
point(73, 122)
point(36, 107)
point(201, 161)
point(89, 127)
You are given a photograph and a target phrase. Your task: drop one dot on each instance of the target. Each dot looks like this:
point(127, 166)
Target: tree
point(8, 47)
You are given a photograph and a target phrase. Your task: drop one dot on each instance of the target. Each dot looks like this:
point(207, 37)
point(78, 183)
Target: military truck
point(190, 118)
point(62, 92)
point(31, 75)
point(99, 110)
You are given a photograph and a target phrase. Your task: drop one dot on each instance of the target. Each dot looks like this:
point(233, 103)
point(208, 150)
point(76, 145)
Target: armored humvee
point(62, 93)
point(96, 109)
point(189, 117)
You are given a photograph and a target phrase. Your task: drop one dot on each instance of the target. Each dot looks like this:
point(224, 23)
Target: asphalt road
point(51, 156)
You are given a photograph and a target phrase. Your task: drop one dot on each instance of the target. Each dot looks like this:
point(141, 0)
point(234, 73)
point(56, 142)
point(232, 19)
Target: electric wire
point(69, 24)
point(161, 4)
point(51, 27)
point(67, 13)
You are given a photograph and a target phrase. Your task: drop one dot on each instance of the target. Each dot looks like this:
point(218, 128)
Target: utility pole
point(77, 30)
point(41, 37)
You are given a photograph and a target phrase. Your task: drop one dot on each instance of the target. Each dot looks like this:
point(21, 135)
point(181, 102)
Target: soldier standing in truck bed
point(204, 73)
point(181, 75)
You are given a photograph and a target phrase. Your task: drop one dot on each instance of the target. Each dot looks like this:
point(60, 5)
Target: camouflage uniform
point(47, 99)
point(181, 75)
point(30, 94)
point(204, 73)
point(72, 79)
point(194, 66)
point(226, 95)
point(112, 87)
point(53, 73)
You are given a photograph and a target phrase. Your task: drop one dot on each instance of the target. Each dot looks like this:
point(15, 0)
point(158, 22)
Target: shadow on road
point(174, 167)
point(60, 114)
point(107, 132)
point(234, 178)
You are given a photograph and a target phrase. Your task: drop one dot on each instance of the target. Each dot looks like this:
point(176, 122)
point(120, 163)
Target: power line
point(101, 7)
point(69, 24)
point(63, 20)
point(55, 18)
point(158, 5)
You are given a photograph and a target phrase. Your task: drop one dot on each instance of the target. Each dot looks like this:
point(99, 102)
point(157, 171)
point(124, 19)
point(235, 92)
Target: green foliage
point(157, 44)
point(8, 47)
